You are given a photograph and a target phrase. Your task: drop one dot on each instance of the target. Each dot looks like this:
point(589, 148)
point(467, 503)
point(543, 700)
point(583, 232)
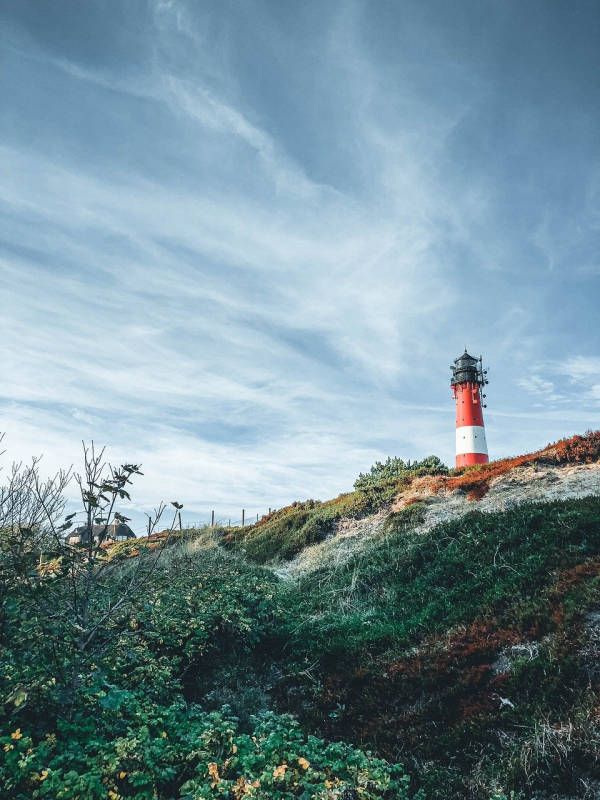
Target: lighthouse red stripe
point(468, 405)
point(468, 459)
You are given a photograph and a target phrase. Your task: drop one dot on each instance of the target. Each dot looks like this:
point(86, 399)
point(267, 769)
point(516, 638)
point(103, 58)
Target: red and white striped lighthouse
point(468, 380)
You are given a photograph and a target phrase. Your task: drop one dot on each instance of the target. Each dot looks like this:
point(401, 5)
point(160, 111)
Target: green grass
point(285, 533)
point(369, 638)
point(407, 585)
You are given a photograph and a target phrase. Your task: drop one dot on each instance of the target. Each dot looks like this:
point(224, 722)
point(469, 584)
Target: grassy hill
point(449, 660)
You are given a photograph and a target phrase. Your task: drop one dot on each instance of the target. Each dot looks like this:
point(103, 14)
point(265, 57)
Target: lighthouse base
point(468, 459)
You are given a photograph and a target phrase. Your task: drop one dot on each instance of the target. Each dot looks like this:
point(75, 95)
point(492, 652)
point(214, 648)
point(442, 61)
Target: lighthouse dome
point(465, 359)
point(465, 369)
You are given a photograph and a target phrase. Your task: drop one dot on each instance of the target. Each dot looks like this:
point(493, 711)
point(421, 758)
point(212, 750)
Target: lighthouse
point(468, 380)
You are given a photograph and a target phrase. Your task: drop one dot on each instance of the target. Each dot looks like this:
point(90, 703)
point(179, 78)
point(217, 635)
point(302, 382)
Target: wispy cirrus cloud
point(241, 246)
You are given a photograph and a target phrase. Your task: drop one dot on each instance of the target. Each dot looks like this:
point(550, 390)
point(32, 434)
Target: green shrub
point(169, 752)
point(393, 468)
point(132, 729)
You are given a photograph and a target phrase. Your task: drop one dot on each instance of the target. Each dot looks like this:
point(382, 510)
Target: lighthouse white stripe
point(470, 439)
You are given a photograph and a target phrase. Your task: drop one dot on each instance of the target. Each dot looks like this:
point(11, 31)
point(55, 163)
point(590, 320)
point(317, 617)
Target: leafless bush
point(85, 590)
point(27, 502)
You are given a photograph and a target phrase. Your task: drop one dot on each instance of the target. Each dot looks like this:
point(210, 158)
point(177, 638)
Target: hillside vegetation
point(455, 661)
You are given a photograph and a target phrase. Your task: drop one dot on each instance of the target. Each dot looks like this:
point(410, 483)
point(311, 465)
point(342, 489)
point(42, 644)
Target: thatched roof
point(116, 530)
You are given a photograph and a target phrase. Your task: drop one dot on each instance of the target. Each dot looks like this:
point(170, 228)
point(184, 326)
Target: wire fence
point(182, 523)
point(246, 518)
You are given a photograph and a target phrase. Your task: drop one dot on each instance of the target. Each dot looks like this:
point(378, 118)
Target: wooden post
point(229, 526)
point(243, 516)
point(212, 519)
point(269, 509)
point(179, 515)
point(257, 517)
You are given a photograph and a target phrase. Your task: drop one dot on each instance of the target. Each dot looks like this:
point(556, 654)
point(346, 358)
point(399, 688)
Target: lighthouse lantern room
point(468, 380)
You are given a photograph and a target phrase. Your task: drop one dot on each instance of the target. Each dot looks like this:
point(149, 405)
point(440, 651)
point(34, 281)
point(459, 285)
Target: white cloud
point(581, 368)
point(537, 385)
point(594, 392)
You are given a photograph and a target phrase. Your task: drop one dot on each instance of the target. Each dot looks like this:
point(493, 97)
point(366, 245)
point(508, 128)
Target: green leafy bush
point(393, 468)
point(179, 752)
point(131, 728)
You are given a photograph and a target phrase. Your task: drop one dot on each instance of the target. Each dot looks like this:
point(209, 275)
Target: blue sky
point(241, 242)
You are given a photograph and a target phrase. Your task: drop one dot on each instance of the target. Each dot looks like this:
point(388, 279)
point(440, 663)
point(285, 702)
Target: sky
point(241, 242)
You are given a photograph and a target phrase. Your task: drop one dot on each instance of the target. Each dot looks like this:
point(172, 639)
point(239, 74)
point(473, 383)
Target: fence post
point(243, 516)
point(179, 515)
point(212, 519)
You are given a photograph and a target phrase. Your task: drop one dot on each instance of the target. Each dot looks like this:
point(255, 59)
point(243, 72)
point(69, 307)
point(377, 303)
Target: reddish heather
point(475, 481)
point(451, 681)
